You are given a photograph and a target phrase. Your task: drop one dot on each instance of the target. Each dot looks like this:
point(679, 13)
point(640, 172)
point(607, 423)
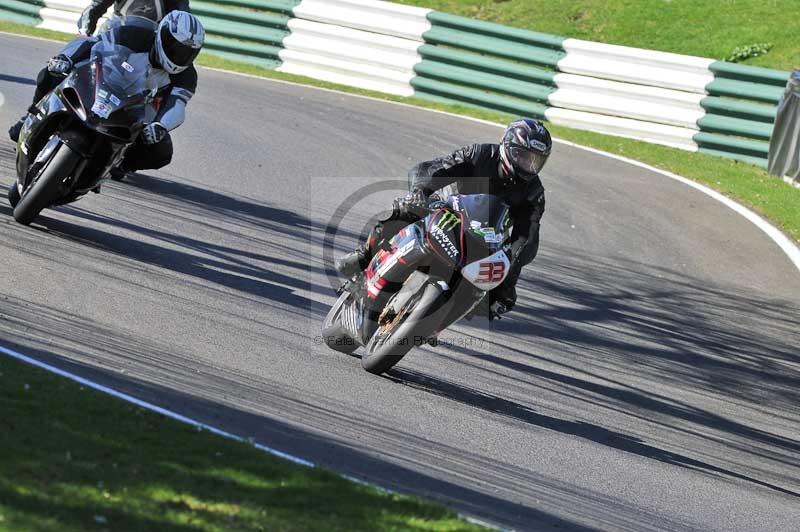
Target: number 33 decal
point(491, 272)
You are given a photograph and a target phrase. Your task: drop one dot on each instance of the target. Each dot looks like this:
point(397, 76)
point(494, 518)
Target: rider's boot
point(16, 129)
point(356, 261)
point(118, 173)
point(352, 263)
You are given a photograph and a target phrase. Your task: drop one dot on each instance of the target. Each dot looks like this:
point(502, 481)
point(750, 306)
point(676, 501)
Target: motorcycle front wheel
point(411, 327)
point(46, 188)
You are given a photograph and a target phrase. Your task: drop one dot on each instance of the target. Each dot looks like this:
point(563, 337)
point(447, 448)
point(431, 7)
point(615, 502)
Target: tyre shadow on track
point(580, 429)
point(614, 334)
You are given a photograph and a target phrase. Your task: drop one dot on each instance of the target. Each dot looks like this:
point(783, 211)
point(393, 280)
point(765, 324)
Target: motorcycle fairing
point(386, 273)
point(444, 235)
point(389, 267)
point(35, 131)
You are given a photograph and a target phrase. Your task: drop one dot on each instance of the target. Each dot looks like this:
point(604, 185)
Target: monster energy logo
point(447, 221)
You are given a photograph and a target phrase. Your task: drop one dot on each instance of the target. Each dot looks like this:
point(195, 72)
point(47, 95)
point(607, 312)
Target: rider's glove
point(60, 64)
point(435, 202)
point(154, 133)
point(415, 199)
point(414, 203)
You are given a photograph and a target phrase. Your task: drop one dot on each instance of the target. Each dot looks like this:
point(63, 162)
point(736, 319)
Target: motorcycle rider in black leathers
point(172, 48)
point(509, 170)
point(155, 10)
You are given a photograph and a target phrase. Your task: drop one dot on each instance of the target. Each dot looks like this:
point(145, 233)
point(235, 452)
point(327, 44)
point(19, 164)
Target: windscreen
point(485, 215)
point(124, 74)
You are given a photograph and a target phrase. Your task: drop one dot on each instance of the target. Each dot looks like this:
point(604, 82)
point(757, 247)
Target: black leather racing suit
point(155, 10)
point(476, 170)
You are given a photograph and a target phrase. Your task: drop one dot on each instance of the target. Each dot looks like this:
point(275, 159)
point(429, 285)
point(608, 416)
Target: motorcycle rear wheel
point(47, 186)
point(410, 328)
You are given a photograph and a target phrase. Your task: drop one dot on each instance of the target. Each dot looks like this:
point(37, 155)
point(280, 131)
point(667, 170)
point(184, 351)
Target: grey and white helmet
point(178, 41)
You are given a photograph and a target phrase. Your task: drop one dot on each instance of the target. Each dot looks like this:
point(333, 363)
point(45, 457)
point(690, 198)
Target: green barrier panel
point(479, 80)
point(12, 16)
point(489, 65)
point(739, 109)
point(715, 141)
point(735, 126)
point(211, 11)
point(504, 33)
point(21, 11)
point(425, 87)
point(241, 48)
point(493, 46)
point(267, 63)
point(245, 32)
point(756, 161)
point(279, 6)
point(766, 76)
point(745, 90)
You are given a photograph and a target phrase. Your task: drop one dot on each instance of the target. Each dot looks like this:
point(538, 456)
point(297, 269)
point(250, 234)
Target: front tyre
point(46, 188)
point(411, 326)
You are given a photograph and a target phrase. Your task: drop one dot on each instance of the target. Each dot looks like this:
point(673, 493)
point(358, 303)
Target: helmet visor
point(527, 161)
point(177, 52)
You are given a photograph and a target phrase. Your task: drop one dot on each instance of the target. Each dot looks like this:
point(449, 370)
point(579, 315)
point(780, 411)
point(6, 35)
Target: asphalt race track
point(649, 380)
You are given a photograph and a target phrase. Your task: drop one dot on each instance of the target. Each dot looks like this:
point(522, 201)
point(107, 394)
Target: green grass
point(23, 29)
point(704, 28)
point(750, 185)
point(73, 459)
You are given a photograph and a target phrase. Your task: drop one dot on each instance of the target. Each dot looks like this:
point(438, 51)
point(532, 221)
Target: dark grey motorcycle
point(82, 129)
point(425, 278)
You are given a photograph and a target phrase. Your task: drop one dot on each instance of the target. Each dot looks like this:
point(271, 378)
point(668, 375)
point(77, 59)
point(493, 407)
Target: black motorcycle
point(428, 276)
point(82, 128)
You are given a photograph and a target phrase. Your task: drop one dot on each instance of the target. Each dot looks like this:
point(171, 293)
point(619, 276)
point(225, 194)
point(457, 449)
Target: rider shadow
point(579, 429)
point(258, 282)
point(231, 207)
point(16, 79)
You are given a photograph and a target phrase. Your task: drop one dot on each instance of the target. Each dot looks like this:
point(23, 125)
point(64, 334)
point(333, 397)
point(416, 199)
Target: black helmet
point(525, 148)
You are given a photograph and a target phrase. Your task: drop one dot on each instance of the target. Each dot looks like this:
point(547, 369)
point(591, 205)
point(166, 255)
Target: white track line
point(193, 422)
point(785, 243)
point(788, 246)
point(150, 406)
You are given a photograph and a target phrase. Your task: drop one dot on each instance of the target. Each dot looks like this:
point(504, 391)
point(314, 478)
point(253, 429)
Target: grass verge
point(750, 185)
point(75, 459)
point(708, 29)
